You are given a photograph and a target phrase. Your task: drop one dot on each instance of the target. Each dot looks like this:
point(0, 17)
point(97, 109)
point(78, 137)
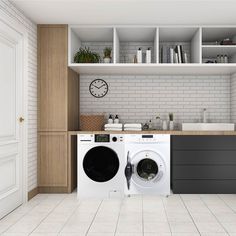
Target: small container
point(110, 119)
point(116, 121)
point(171, 125)
point(148, 56)
point(226, 59)
point(222, 59)
point(139, 55)
point(164, 125)
point(218, 59)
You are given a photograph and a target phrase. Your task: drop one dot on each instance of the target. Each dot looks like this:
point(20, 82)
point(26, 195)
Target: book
point(185, 58)
point(171, 55)
point(179, 53)
point(176, 58)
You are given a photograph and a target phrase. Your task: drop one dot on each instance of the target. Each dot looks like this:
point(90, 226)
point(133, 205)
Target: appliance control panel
point(147, 138)
point(100, 138)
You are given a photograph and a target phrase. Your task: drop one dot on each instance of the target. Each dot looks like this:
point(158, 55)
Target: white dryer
point(101, 165)
point(147, 168)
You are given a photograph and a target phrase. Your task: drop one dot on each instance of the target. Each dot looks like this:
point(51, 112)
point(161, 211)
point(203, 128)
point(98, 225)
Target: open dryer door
point(144, 169)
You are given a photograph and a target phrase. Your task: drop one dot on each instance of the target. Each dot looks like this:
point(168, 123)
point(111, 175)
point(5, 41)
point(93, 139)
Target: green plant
point(171, 116)
point(107, 52)
point(85, 55)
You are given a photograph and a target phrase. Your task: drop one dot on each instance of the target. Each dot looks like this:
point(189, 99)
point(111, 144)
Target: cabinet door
point(52, 75)
point(53, 163)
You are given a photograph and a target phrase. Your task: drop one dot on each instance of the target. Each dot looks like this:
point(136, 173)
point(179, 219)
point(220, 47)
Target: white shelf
point(152, 69)
point(121, 37)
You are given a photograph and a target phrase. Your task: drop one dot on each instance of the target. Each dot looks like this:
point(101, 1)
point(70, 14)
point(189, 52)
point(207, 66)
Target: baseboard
point(32, 193)
point(53, 190)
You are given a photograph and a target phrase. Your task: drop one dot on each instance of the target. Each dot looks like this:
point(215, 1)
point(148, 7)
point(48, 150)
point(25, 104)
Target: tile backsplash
point(140, 98)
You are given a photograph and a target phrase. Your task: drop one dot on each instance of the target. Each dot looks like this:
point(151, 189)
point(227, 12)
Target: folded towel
point(113, 125)
point(133, 126)
point(132, 129)
point(113, 129)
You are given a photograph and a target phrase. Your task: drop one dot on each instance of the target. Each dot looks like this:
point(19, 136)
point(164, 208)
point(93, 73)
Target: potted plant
point(85, 55)
point(107, 54)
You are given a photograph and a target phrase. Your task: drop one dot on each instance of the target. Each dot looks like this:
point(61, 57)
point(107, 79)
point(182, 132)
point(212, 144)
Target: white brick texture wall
point(140, 98)
point(11, 11)
point(233, 98)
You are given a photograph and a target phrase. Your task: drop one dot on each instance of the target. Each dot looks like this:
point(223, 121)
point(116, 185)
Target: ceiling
point(154, 12)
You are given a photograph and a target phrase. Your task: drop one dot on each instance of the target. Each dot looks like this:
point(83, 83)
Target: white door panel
point(11, 104)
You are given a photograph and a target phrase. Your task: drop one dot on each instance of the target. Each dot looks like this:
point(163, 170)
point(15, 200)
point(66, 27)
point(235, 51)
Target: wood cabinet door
point(52, 77)
point(52, 158)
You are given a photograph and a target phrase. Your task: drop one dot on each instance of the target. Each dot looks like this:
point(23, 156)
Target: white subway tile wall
point(233, 98)
point(9, 9)
point(140, 98)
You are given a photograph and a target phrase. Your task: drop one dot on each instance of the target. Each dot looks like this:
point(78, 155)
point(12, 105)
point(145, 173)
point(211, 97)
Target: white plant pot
point(107, 60)
point(171, 125)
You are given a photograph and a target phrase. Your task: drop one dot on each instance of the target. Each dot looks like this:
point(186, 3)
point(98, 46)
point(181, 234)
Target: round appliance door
point(101, 164)
point(149, 168)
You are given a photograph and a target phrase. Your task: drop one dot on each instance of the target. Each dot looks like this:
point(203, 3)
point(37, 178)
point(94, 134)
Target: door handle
point(128, 171)
point(21, 119)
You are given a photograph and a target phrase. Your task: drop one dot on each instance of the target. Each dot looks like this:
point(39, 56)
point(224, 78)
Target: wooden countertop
point(156, 132)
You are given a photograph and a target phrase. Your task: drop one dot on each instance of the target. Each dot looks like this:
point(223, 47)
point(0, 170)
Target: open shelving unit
point(200, 44)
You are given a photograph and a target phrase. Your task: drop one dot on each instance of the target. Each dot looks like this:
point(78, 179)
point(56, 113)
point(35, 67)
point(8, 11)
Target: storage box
point(92, 122)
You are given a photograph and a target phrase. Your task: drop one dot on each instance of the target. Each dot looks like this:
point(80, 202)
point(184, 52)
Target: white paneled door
point(11, 109)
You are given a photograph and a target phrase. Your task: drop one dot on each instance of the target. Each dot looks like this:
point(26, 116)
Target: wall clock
point(98, 88)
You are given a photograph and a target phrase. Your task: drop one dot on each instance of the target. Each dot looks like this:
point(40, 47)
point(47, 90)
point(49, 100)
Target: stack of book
point(173, 55)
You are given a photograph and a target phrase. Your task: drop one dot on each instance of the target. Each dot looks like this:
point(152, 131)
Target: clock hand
point(95, 86)
point(101, 86)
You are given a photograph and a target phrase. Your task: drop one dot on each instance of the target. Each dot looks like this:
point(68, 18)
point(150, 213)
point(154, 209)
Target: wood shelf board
point(151, 69)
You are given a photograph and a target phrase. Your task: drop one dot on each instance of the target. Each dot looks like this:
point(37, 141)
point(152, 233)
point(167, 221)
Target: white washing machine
point(147, 168)
point(101, 165)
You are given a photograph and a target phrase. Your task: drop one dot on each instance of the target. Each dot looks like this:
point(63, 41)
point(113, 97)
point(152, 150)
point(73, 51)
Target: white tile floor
point(178, 215)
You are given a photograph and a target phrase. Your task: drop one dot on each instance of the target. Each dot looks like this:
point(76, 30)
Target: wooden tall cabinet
point(58, 104)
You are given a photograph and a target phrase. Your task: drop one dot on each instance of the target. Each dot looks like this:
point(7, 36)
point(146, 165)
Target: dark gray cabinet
point(203, 164)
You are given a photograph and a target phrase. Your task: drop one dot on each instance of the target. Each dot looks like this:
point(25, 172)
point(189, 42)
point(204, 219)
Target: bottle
point(150, 124)
point(218, 59)
point(148, 55)
point(116, 121)
point(139, 55)
point(135, 59)
point(110, 119)
point(164, 125)
point(226, 59)
point(204, 118)
point(221, 59)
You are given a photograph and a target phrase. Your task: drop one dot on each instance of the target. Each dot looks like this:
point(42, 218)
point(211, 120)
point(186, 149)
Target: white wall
point(11, 11)
point(233, 98)
point(139, 98)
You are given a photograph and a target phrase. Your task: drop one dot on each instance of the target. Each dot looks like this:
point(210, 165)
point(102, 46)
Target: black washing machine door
point(101, 164)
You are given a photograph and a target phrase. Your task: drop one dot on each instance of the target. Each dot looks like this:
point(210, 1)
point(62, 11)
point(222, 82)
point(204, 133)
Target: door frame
point(22, 30)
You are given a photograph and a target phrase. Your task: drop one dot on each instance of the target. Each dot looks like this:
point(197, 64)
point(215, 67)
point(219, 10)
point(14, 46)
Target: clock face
point(98, 88)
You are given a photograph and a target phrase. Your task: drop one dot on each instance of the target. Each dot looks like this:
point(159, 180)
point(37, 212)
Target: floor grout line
point(142, 218)
point(189, 214)
point(118, 217)
point(69, 217)
point(214, 215)
point(226, 203)
point(47, 215)
point(93, 218)
point(22, 215)
point(166, 214)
